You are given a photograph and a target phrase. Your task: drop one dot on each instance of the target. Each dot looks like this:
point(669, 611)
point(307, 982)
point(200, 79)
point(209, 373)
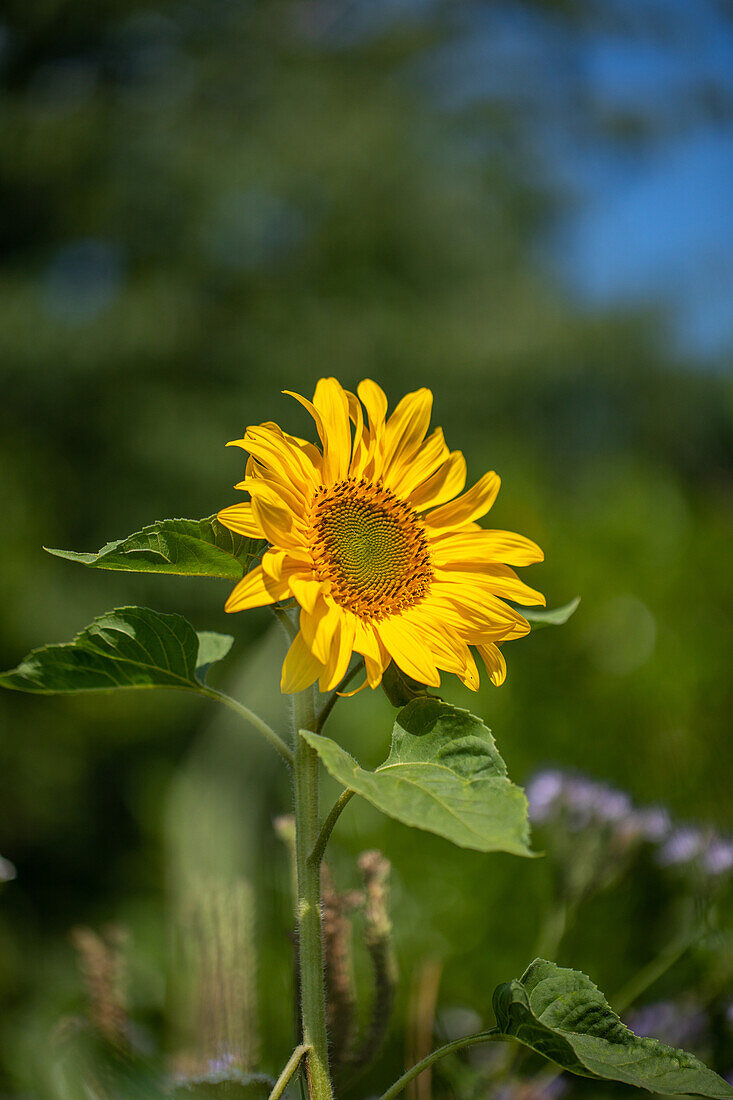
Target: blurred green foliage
point(205, 203)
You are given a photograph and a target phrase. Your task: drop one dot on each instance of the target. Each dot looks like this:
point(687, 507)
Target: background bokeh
point(525, 207)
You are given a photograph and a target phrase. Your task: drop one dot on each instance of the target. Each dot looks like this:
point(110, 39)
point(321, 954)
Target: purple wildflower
point(679, 1023)
point(581, 799)
point(543, 1088)
point(587, 802)
point(718, 857)
point(682, 846)
point(543, 792)
point(652, 823)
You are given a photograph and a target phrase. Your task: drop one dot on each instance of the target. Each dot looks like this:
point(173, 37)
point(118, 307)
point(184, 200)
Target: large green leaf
point(562, 1015)
point(186, 547)
point(131, 647)
point(443, 774)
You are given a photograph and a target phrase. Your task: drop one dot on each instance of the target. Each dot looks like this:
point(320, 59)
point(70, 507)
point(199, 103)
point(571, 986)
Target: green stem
point(310, 948)
point(335, 696)
point(291, 1066)
point(319, 847)
point(286, 622)
point(254, 720)
point(654, 970)
point(491, 1036)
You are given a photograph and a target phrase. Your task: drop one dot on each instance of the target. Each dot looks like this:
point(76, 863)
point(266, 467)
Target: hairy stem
point(491, 1036)
point(312, 991)
point(290, 1067)
point(254, 720)
point(316, 854)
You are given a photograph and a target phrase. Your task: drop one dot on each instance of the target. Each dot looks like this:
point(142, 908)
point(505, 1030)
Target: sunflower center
point(371, 549)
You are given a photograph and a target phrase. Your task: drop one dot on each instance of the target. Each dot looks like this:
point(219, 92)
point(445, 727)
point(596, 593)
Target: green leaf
point(186, 547)
point(562, 1015)
point(443, 774)
point(556, 617)
point(131, 647)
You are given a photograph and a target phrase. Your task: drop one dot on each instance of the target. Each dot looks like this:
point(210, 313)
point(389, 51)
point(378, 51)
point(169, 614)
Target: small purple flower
point(718, 857)
point(611, 805)
point(589, 802)
point(652, 823)
point(543, 1088)
point(682, 846)
point(543, 792)
point(679, 1023)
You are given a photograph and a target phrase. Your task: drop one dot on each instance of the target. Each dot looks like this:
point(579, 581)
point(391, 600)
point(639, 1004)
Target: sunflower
point(371, 538)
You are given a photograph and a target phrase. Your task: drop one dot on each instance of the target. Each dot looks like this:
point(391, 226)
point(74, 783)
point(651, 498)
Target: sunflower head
point(375, 538)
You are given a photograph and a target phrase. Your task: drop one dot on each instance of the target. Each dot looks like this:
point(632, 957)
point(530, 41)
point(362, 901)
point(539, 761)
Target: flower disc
point(370, 548)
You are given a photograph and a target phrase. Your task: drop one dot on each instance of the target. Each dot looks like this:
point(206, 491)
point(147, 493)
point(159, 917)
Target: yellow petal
point(473, 504)
point(310, 407)
point(360, 453)
point(300, 667)
point(445, 483)
point(281, 458)
point(375, 403)
point(503, 547)
point(277, 522)
point(368, 644)
point(499, 580)
point(407, 649)
point(285, 564)
point(493, 658)
point(319, 627)
point(375, 670)
point(331, 401)
point(366, 641)
point(407, 427)
point(274, 491)
point(469, 674)
point(407, 474)
point(306, 590)
point(241, 518)
point(476, 616)
point(519, 630)
point(256, 589)
point(341, 651)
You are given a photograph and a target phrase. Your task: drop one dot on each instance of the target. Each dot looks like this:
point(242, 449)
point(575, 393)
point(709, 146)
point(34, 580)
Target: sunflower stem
point(310, 948)
point(319, 847)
